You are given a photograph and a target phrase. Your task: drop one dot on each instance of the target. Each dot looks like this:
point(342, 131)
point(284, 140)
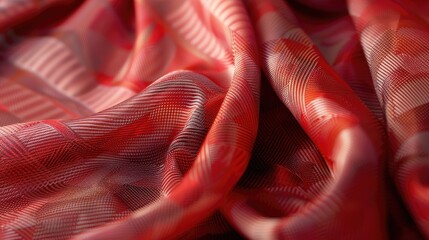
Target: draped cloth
point(184, 119)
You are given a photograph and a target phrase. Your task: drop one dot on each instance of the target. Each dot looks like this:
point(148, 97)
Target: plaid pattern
point(161, 119)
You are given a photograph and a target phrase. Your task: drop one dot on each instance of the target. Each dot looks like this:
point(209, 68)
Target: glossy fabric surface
point(184, 119)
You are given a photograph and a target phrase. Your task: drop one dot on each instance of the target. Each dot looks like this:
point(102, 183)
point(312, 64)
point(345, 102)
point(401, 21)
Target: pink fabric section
point(211, 119)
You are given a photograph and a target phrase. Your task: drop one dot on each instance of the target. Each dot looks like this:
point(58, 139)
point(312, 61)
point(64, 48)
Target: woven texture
point(214, 119)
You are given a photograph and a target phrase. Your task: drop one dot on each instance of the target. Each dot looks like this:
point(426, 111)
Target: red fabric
point(161, 119)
